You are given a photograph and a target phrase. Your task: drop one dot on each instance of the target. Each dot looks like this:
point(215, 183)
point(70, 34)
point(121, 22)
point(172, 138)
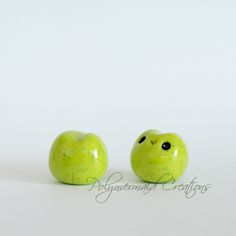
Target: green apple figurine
point(78, 158)
point(159, 158)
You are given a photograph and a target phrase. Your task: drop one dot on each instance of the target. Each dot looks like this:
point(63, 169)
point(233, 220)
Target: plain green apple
point(78, 158)
point(159, 158)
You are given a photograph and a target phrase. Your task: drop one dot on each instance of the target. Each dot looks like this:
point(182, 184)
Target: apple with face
point(78, 158)
point(159, 158)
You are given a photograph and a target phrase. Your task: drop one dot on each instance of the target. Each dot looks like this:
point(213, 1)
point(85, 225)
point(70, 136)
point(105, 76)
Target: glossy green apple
point(78, 158)
point(159, 158)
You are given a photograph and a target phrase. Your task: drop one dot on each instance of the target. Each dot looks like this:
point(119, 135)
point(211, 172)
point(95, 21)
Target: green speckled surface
point(75, 157)
point(153, 164)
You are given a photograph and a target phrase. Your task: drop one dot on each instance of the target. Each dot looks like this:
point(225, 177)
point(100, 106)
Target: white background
point(116, 68)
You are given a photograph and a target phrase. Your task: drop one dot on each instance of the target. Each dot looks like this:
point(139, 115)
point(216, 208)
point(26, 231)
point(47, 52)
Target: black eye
point(166, 146)
point(142, 139)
